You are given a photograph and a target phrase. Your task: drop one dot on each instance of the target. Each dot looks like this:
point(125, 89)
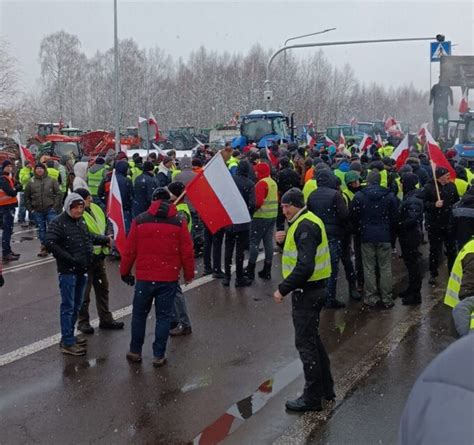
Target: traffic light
point(440, 38)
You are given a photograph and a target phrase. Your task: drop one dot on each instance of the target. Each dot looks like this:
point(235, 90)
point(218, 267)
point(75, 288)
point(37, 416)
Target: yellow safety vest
point(386, 151)
point(183, 207)
point(94, 180)
point(470, 175)
point(175, 172)
point(455, 279)
point(348, 195)
point(53, 173)
point(399, 186)
point(322, 259)
point(232, 162)
point(24, 176)
point(341, 175)
point(96, 223)
point(309, 188)
point(269, 207)
point(461, 186)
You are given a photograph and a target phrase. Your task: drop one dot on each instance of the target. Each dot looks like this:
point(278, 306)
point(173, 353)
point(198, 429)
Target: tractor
point(184, 138)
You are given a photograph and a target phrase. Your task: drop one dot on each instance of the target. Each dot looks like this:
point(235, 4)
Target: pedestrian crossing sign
point(439, 49)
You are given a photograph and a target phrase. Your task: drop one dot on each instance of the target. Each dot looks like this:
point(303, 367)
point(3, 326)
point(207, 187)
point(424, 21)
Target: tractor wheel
point(179, 144)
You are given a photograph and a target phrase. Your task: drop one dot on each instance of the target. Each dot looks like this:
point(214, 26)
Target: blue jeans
point(145, 292)
point(261, 229)
point(335, 250)
point(8, 216)
point(72, 287)
point(180, 311)
point(42, 220)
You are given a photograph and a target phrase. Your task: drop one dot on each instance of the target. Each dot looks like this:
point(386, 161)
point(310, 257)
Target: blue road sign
point(439, 49)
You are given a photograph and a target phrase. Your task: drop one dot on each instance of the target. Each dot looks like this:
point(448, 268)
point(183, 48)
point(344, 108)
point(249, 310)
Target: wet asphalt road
point(229, 379)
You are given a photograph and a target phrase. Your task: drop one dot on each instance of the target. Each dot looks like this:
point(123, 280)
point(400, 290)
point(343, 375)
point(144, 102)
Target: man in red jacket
point(160, 245)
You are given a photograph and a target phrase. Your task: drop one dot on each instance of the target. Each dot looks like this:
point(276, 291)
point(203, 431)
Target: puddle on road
point(238, 413)
point(71, 369)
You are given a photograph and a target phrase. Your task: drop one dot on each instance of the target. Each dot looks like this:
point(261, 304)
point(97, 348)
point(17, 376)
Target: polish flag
point(329, 142)
point(26, 155)
point(400, 154)
point(378, 140)
point(342, 139)
point(311, 124)
point(425, 136)
point(365, 143)
point(152, 122)
point(436, 155)
point(115, 214)
point(310, 140)
point(216, 198)
point(464, 105)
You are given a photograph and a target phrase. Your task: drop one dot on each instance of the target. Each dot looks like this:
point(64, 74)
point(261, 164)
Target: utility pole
point(268, 93)
point(116, 83)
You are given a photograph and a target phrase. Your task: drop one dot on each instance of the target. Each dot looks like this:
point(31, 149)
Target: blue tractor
point(463, 136)
point(263, 128)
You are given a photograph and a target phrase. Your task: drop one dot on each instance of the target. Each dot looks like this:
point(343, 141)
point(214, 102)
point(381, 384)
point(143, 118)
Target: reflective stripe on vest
point(94, 179)
point(96, 223)
point(455, 279)
point(322, 258)
point(6, 200)
point(183, 207)
point(269, 207)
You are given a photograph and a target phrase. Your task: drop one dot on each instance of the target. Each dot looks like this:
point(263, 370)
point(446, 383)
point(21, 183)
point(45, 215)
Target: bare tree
point(8, 74)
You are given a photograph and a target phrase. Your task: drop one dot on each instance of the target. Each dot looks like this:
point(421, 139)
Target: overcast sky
point(179, 27)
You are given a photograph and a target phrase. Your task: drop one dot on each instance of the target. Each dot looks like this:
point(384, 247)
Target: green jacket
point(42, 193)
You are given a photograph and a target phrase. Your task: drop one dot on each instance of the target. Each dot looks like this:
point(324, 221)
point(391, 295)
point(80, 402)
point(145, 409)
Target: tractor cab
point(461, 134)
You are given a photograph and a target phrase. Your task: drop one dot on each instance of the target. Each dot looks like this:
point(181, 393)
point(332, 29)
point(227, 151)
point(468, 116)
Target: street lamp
point(116, 83)
point(268, 94)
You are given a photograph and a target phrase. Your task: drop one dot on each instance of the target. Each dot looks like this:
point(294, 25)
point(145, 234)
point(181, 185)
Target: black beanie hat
point(409, 181)
point(176, 188)
point(160, 193)
point(83, 193)
point(40, 165)
point(148, 166)
point(294, 197)
point(441, 171)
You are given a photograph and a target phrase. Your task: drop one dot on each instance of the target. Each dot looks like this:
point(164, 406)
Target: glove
point(2, 280)
point(128, 279)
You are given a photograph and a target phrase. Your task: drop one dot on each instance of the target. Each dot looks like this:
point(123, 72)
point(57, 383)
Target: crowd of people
point(355, 207)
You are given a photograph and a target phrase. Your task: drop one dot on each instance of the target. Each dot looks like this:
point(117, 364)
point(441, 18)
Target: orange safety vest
point(6, 200)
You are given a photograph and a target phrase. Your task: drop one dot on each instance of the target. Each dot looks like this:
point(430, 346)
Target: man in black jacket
point(72, 245)
point(287, 179)
point(409, 235)
point(462, 219)
point(238, 235)
point(327, 203)
point(437, 214)
point(306, 266)
point(143, 189)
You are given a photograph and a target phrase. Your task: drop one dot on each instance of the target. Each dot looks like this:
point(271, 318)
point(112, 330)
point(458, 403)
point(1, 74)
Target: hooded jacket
point(373, 212)
point(163, 177)
point(70, 242)
point(159, 244)
point(80, 173)
point(410, 213)
point(42, 193)
point(437, 219)
point(461, 225)
point(262, 171)
point(327, 203)
point(143, 189)
point(247, 189)
point(125, 184)
point(187, 174)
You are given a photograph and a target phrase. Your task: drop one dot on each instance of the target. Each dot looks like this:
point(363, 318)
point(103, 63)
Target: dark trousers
point(97, 279)
point(306, 308)
point(411, 257)
point(213, 249)
point(437, 239)
point(280, 221)
point(359, 267)
point(335, 251)
point(240, 240)
point(346, 258)
point(8, 216)
point(197, 233)
point(436, 126)
point(163, 293)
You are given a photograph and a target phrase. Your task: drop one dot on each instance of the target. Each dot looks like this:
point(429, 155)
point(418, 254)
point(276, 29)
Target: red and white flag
point(216, 198)
point(310, 140)
point(365, 143)
point(425, 136)
point(26, 155)
point(401, 153)
point(378, 140)
point(464, 105)
point(436, 155)
point(342, 139)
point(152, 122)
point(115, 214)
point(329, 142)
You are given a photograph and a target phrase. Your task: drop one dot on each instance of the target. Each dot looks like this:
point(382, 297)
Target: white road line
point(29, 265)
point(45, 343)
point(24, 231)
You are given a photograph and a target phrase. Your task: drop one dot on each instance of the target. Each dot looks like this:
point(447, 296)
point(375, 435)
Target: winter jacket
point(70, 242)
point(373, 212)
point(439, 407)
point(9, 191)
point(42, 193)
point(287, 179)
point(410, 216)
point(461, 225)
point(163, 177)
point(423, 176)
point(307, 238)
point(438, 219)
point(187, 174)
point(328, 204)
point(143, 189)
point(247, 189)
point(159, 244)
point(125, 184)
point(467, 280)
point(80, 179)
point(462, 314)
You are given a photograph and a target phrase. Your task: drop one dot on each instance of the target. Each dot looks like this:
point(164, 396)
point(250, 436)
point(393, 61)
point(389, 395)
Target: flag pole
point(433, 167)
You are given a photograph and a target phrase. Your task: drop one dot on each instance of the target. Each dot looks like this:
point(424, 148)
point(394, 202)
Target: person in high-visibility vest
point(461, 182)
point(96, 223)
point(461, 223)
point(95, 175)
point(461, 284)
point(181, 324)
point(24, 176)
point(8, 204)
point(263, 222)
point(306, 266)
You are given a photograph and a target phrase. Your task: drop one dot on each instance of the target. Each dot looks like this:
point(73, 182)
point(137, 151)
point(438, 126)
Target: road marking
point(29, 265)
point(45, 343)
point(24, 231)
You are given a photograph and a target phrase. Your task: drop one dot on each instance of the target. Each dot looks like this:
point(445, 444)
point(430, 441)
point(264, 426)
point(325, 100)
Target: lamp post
point(268, 94)
point(116, 83)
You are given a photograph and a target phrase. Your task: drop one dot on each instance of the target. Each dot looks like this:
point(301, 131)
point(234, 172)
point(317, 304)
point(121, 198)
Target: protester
point(143, 188)
point(43, 200)
point(163, 176)
point(24, 176)
point(306, 265)
point(95, 175)
point(8, 204)
point(96, 273)
point(159, 244)
point(71, 244)
point(287, 179)
point(461, 224)
point(80, 175)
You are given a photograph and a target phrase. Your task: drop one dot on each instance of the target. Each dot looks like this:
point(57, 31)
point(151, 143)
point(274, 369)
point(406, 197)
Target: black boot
point(249, 271)
point(301, 405)
point(266, 272)
point(412, 299)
